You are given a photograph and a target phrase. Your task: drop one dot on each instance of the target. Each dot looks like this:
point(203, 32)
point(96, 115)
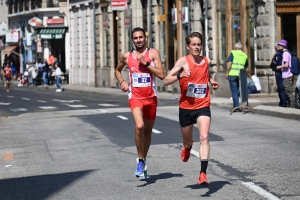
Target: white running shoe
point(58, 90)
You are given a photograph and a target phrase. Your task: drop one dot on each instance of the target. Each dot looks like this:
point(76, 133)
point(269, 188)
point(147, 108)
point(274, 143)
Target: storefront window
point(222, 35)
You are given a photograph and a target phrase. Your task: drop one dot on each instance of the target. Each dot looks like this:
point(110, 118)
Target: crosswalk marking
point(156, 131)
point(106, 104)
point(4, 104)
point(47, 107)
point(18, 109)
point(26, 99)
point(76, 106)
point(41, 101)
point(10, 96)
point(122, 117)
point(66, 101)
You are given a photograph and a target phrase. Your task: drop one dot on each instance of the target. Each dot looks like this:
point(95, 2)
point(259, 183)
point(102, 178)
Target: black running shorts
point(188, 117)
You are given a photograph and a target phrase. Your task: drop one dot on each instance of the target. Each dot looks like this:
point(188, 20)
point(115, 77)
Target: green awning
point(55, 33)
point(33, 35)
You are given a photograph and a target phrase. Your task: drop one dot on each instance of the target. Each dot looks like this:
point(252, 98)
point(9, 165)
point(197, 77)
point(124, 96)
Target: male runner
point(143, 64)
point(7, 75)
point(193, 75)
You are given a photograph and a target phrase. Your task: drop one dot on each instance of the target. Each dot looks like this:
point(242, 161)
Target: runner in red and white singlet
point(7, 74)
point(144, 66)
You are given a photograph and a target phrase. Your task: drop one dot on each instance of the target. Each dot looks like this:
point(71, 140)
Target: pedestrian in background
point(14, 70)
point(144, 65)
point(194, 104)
point(277, 61)
point(7, 75)
point(45, 70)
point(287, 75)
point(236, 61)
point(251, 88)
point(256, 82)
point(57, 74)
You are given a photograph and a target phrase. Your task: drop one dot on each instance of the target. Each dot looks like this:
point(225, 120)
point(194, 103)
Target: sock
point(142, 160)
point(204, 164)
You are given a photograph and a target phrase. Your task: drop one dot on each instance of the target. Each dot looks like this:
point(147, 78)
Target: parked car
point(297, 93)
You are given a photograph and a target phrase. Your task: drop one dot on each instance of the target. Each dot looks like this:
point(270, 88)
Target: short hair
point(137, 29)
point(238, 45)
point(192, 35)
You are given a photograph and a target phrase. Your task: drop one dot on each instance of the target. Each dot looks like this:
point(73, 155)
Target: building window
point(26, 5)
point(236, 22)
point(20, 5)
point(162, 35)
point(221, 35)
point(106, 38)
point(32, 4)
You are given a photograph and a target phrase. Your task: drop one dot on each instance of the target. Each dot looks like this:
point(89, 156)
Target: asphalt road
point(89, 152)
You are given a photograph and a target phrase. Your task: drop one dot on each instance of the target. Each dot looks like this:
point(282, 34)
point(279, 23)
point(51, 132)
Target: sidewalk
point(263, 104)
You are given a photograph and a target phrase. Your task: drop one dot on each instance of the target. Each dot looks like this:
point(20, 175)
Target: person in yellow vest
point(236, 61)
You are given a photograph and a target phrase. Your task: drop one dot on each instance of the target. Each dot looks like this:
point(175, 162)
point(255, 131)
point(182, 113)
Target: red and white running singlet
point(194, 89)
point(7, 72)
point(141, 80)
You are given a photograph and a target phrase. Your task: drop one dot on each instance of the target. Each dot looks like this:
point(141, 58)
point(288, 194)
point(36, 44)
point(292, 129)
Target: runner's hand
point(124, 86)
point(215, 85)
point(141, 59)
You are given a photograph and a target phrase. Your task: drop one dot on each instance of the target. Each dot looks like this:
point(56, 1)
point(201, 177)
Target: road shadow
point(38, 187)
point(153, 178)
point(213, 187)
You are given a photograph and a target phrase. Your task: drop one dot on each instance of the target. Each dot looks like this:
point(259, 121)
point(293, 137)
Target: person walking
point(194, 104)
point(14, 70)
point(45, 70)
point(287, 75)
point(7, 75)
point(236, 61)
point(57, 74)
point(144, 64)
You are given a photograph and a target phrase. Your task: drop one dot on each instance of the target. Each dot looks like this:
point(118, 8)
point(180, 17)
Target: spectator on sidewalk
point(57, 73)
point(256, 82)
point(287, 75)
point(45, 70)
point(251, 88)
point(276, 61)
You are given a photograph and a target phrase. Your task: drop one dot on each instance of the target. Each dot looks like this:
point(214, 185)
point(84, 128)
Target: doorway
point(289, 31)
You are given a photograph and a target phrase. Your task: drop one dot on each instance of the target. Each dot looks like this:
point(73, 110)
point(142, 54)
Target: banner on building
point(185, 15)
point(174, 15)
point(105, 24)
point(127, 22)
point(39, 48)
point(118, 4)
point(12, 36)
point(35, 21)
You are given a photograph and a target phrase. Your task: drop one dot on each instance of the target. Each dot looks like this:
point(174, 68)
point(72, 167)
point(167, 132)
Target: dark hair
point(192, 35)
point(137, 29)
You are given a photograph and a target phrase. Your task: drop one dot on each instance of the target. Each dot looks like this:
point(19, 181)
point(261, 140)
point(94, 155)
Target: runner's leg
point(147, 135)
point(203, 123)
point(187, 136)
point(139, 131)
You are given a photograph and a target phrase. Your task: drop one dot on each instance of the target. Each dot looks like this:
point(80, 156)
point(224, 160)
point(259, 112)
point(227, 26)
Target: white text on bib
point(196, 90)
point(141, 80)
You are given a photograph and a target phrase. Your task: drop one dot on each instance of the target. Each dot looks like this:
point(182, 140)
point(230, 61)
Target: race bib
point(141, 80)
point(196, 90)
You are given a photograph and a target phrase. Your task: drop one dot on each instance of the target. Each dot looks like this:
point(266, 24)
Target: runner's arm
point(214, 84)
point(158, 69)
point(118, 74)
point(172, 75)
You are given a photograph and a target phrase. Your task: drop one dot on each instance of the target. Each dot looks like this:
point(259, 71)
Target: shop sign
point(185, 15)
point(127, 22)
point(55, 20)
point(51, 36)
point(105, 24)
point(35, 21)
point(118, 4)
point(12, 36)
point(174, 15)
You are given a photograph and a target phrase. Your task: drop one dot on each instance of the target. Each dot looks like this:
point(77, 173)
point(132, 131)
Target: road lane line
point(4, 104)
point(41, 101)
point(156, 131)
point(66, 101)
point(250, 185)
point(26, 99)
point(107, 104)
point(260, 191)
point(47, 107)
point(10, 96)
point(76, 106)
point(18, 109)
point(122, 117)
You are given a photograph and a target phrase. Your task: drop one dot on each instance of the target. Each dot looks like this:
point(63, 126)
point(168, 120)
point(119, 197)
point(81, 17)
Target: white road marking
point(41, 101)
point(47, 107)
point(122, 117)
point(66, 101)
point(26, 99)
point(106, 104)
point(260, 191)
point(18, 109)
point(76, 106)
point(10, 96)
point(156, 131)
point(4, 104)
point(250, 185)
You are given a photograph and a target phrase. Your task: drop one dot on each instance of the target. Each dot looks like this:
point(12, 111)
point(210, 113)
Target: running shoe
point(7, 90)
point(185, 154)
point(141, 170)
point(202, 180)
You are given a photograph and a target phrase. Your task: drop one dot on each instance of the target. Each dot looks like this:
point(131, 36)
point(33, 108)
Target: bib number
point(141, 80)
point(196, 90)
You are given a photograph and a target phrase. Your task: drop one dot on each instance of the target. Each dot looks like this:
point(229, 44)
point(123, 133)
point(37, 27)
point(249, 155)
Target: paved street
point(83, 148)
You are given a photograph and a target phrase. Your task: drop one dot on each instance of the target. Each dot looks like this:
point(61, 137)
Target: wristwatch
point(147, 64)
point(178, 76)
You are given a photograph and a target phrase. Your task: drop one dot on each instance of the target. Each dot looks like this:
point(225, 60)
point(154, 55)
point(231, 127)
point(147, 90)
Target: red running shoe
point(202, 180)
point(185, 154)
